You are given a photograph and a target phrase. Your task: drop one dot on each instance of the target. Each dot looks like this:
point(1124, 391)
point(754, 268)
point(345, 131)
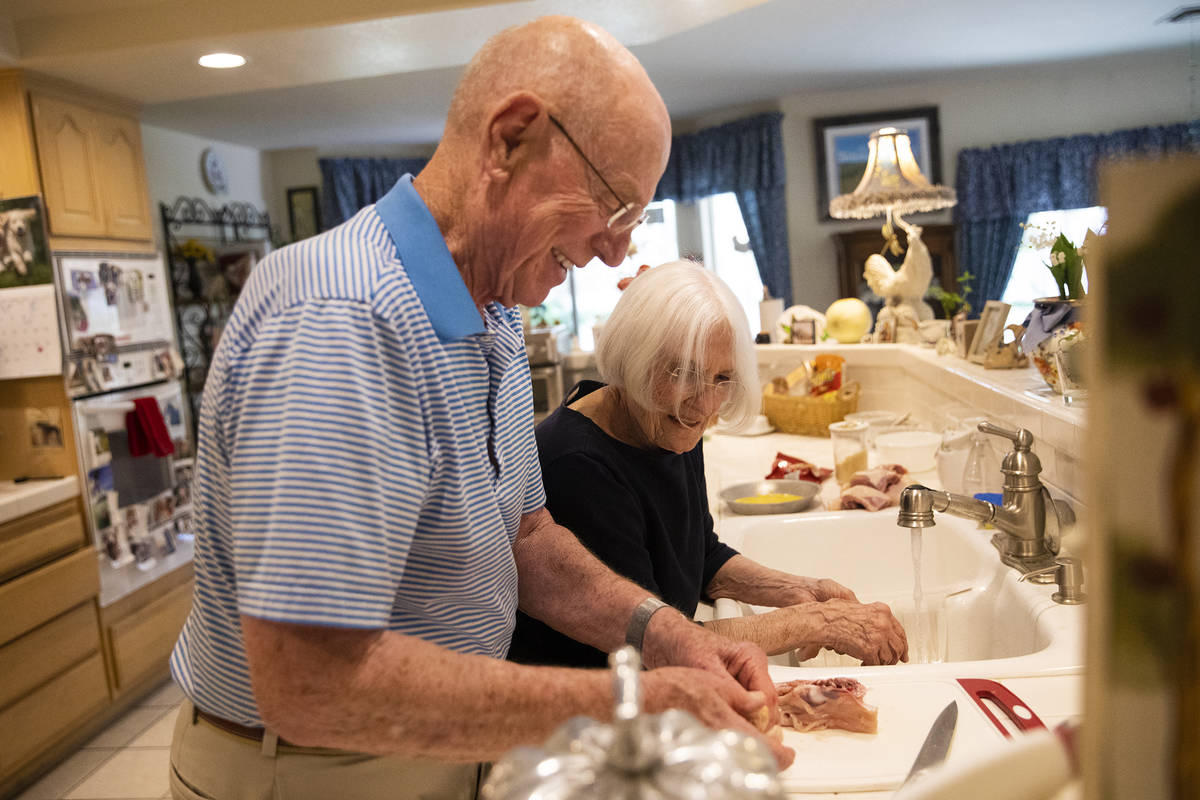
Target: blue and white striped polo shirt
point(366, 453)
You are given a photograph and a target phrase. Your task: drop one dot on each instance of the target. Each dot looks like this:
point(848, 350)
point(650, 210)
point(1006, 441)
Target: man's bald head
point(586, 77)
point(510, 189)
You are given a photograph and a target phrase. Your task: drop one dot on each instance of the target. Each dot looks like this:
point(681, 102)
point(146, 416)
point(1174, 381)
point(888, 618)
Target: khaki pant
point(208, 763)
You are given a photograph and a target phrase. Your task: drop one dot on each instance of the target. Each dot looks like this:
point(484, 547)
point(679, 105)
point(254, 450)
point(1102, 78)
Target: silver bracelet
point(640, 619)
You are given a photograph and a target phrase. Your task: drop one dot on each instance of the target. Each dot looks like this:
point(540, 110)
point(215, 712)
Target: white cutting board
point(840, 761)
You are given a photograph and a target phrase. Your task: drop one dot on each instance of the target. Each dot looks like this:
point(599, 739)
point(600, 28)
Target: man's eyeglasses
point(628, 215)
point(692, 382)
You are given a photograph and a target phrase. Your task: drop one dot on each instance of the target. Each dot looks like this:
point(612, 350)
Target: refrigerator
point(134, 434)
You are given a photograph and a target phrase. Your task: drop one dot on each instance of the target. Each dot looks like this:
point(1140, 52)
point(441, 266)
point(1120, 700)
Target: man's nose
point(612, 247)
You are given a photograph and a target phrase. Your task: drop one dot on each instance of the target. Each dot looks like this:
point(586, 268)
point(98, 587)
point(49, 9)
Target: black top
point(642, 512)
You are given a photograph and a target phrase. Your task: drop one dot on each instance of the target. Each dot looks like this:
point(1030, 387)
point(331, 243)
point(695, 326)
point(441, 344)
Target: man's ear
point(513, 127)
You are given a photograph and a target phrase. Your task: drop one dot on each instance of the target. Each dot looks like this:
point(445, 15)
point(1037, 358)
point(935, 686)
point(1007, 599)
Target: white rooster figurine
point(902, 289)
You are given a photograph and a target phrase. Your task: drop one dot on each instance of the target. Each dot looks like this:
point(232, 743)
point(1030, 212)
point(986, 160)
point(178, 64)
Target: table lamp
point(892, 184)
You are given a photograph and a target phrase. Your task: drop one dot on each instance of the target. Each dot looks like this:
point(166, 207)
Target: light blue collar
point(427, 261)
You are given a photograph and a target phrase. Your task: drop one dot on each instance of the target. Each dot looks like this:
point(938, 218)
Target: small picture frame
point(885, 331)
point(962, 331)
point(804, 331)
point(24, 246)
point(304, 212)
point(991, 328)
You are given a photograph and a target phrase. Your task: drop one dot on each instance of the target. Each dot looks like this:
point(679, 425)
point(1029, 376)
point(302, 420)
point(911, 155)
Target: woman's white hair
point(669, 316)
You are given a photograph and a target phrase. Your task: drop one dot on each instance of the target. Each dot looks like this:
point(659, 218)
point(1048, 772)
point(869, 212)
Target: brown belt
point(244, 731)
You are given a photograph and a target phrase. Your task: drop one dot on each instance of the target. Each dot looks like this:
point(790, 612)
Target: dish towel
point(147, 430)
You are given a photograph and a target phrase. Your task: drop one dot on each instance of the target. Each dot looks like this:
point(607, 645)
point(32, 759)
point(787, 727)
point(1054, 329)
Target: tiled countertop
point(19, 499)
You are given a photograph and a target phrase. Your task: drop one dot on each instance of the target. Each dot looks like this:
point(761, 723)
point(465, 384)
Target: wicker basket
point(809, 416)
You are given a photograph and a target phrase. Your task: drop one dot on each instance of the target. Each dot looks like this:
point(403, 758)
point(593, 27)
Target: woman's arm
point(744, 579)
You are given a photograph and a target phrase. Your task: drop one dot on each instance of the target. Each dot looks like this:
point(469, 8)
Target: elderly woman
point(623, 467)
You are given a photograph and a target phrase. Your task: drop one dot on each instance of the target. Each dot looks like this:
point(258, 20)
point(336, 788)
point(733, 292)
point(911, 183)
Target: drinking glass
point(1069, 360)
point(849, 449)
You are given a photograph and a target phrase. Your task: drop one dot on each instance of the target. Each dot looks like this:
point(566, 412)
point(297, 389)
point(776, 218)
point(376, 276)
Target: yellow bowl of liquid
point(770, 497)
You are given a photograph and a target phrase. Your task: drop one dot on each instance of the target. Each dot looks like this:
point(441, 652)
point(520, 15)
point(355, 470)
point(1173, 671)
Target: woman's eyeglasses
point(693, 382)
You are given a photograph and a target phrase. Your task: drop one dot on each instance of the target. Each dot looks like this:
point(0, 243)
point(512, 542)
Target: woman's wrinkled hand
point(866, 631)
point(818, 590)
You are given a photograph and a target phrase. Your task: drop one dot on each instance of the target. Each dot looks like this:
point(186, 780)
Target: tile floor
point(126, 761)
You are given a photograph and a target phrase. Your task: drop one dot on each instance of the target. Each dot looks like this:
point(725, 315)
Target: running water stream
point(919, 632)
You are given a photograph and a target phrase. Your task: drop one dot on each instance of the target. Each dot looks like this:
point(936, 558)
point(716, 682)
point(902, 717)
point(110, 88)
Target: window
point(727, 251)
point(589, 294)
point(711, 230)
point(1031, 277)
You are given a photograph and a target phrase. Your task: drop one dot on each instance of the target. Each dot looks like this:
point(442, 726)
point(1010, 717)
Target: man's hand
point(737, 674)
point(715, 700)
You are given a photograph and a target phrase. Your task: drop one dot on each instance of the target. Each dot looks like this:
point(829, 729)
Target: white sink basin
point(978, 619)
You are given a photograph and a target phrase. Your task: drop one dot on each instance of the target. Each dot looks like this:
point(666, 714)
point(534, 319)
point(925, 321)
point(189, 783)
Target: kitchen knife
point(937, 743)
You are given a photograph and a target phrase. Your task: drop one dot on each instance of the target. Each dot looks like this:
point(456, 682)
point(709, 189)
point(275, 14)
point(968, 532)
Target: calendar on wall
point(29, 336)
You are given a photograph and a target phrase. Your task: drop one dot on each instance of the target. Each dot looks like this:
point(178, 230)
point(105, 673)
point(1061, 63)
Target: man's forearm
point(385, 693)
point(571, 590)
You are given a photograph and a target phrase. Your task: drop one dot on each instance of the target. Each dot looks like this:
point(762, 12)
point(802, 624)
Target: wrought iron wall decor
point(210, 252)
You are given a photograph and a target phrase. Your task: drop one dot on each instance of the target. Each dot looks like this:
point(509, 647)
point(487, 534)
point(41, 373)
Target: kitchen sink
point(976, 619)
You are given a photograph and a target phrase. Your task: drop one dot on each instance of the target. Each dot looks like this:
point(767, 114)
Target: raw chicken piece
point(874, 489)
point(786, 467)
point(826, 704)
point(880, 478)
point(864, 497)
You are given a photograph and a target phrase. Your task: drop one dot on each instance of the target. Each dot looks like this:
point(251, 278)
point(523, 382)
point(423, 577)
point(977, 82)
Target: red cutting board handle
point(1014, 708)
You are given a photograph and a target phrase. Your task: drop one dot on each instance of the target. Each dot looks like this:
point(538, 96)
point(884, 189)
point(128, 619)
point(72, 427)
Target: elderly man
point(368, 494)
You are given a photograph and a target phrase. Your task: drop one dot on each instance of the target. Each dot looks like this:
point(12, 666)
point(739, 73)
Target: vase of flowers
point(1057, 320)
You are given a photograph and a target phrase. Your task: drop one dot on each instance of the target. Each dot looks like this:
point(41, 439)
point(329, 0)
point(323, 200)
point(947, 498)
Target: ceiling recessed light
point(222, 60)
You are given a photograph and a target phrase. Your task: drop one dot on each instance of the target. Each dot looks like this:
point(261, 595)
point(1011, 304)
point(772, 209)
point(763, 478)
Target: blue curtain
point(744, 157)
point(351, 183)
point(999, 187)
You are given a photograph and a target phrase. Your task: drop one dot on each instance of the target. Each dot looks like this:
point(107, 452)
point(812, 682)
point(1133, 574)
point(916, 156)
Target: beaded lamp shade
point(892, 182)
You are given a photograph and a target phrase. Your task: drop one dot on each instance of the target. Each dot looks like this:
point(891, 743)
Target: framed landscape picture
point(841, 148)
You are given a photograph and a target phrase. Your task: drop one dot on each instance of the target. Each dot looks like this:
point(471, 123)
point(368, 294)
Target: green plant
point(953, 302)
point(1066, 265)
point(1066, 260)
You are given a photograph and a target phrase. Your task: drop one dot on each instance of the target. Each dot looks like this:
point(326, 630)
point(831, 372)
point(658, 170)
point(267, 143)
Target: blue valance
point(744, 157)
point(999, 187)
point(351, 183)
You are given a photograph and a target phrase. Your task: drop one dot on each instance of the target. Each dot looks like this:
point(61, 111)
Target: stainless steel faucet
point(1029, 521)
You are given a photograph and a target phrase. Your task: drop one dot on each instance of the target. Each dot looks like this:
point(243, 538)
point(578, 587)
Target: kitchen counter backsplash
point(942, 390)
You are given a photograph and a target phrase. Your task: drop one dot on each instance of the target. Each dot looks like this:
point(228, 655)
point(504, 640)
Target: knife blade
point(937, 743)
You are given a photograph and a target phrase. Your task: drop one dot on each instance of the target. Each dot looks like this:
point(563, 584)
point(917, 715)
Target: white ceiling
point(325, 73)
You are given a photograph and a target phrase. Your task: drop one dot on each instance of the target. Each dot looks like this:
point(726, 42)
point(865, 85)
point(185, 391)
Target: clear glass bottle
point(982, 471)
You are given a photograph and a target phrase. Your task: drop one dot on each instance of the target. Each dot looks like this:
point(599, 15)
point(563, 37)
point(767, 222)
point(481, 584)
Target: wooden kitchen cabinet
point(52, 678)
point(122, 173)
point(39, 537)
point(67, 156)
point(93, 174)
point(142, 642)
point(18, 167)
